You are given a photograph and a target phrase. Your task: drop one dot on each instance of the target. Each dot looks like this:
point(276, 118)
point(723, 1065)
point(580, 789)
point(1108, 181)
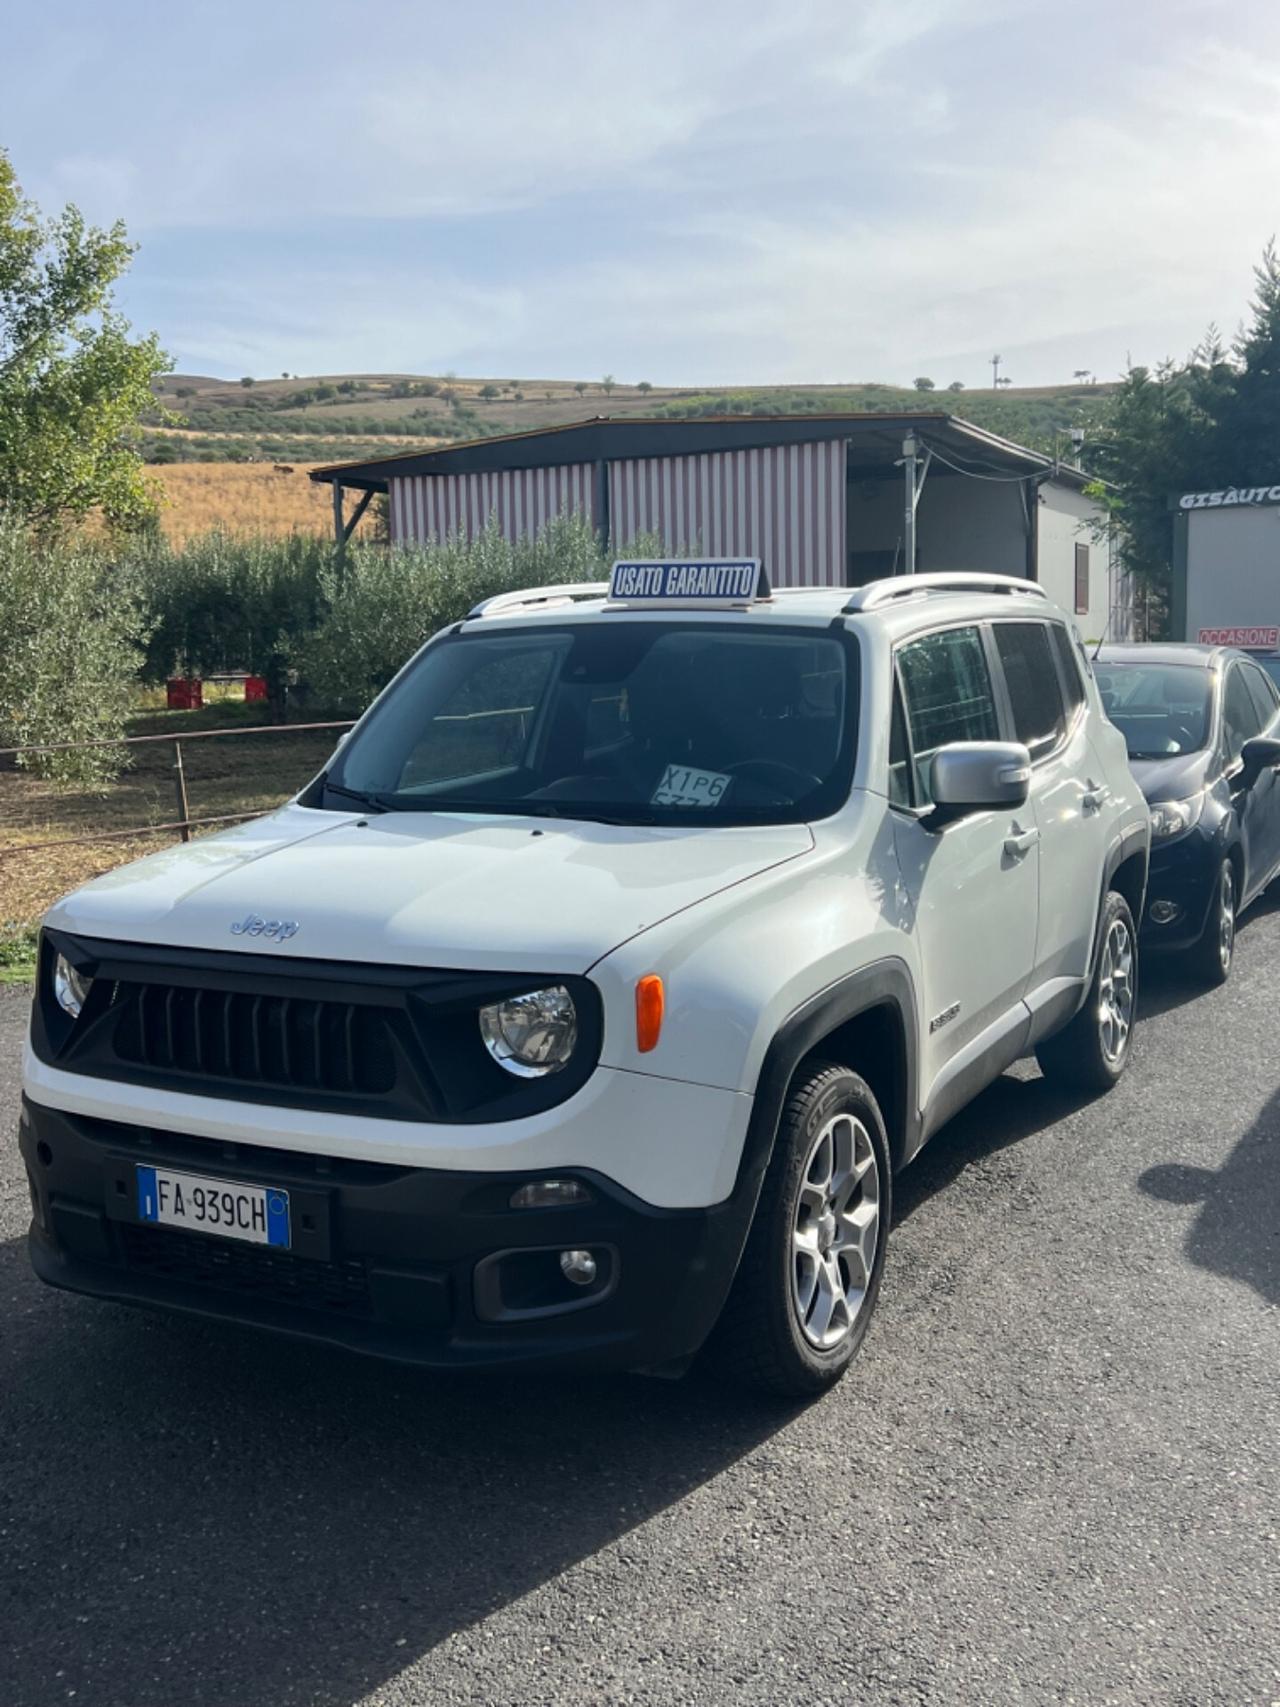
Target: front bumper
point(1184, 874)
point(423, 1265)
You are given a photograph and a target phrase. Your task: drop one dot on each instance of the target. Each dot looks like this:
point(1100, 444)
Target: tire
point(1210, 957)
point(1091, 1053)
point(808, 1280)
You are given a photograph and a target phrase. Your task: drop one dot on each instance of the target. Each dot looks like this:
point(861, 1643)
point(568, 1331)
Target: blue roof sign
point(709, 581)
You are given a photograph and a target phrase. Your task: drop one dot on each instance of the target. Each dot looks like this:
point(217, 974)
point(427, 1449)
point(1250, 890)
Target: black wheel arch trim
point(1133, 841)
point(884, 983)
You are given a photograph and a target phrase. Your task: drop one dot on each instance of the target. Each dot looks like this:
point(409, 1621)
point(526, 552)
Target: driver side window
point(946, 687)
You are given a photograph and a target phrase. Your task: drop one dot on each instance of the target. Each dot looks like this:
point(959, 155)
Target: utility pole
point(995, 373)
point(913, 473)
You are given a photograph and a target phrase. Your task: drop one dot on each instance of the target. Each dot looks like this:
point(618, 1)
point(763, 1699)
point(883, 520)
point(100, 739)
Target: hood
point(1175, 778)
point(423, 889)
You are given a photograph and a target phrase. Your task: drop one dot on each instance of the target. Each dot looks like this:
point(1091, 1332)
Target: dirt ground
point(239, 773)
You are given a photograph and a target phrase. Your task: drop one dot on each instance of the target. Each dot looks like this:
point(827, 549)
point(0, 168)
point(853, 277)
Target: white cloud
point(783, 190)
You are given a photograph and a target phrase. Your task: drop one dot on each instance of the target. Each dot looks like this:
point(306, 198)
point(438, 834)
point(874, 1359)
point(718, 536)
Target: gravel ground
point(1051, 1477)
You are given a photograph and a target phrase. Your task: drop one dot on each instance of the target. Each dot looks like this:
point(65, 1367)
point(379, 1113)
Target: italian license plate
point(258, 1215)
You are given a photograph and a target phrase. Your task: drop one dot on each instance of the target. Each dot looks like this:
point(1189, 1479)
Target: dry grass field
point(244, 497)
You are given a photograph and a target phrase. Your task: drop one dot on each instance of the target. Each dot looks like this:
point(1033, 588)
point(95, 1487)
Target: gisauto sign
point(1251, 639)
point(1229, 497)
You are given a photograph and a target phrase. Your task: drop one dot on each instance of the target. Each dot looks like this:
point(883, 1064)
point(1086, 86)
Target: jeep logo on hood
point(256, 925)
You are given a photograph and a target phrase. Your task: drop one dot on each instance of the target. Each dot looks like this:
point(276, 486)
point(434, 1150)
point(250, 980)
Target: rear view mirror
point(974, 776)
point(1260, 754)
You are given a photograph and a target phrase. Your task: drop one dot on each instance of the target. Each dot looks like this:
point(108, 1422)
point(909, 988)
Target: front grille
point(279, 1041)
point(383, 1042)
point(254, 1270)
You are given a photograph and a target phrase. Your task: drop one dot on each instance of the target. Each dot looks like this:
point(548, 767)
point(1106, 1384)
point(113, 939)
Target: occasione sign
point(1251, 639)
point(1230, 496)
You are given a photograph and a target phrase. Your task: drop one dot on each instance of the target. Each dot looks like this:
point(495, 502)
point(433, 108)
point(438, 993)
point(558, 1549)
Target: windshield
point(1162, 710)
point(613, 720)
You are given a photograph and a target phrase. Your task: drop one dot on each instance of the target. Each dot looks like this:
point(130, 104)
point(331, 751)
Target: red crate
point(184, 693)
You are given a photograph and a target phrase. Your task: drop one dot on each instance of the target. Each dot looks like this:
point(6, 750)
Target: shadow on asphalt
point(1017, 1105)
point(1237, 1232)
point(226, 1519)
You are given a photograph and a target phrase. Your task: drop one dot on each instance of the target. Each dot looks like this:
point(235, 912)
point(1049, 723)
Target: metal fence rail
point(184, 823)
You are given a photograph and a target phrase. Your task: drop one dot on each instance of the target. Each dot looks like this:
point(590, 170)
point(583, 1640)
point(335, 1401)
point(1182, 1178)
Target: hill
point(331, 417)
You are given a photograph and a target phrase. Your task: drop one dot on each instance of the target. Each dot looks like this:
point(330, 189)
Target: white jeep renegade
point(582, 1009)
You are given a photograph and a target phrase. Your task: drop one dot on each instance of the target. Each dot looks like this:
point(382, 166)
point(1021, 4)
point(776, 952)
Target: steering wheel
point(775, 768)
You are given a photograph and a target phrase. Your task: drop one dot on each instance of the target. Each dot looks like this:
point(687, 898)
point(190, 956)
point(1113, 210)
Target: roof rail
point(534, 596)
point(898, 587)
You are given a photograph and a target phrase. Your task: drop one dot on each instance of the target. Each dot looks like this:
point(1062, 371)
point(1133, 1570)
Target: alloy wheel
point(1226, 917)
point(835, 1231)
point(1116, 991)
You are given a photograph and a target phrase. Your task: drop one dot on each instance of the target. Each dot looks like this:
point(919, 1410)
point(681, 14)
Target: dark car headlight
point(1173, 818)
point(533, 1034)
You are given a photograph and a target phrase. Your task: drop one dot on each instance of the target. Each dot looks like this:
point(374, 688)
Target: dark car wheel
point(810, 1272)
point(1212, 955)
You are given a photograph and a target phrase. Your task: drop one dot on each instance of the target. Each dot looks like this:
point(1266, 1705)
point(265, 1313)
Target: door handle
point(1095, 797)
point(1020, 842)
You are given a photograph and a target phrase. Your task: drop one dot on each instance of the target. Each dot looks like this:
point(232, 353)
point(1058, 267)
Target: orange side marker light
point(650, 1002)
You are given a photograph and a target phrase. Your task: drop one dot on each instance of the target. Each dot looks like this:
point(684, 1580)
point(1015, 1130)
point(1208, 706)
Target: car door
point(972, 884)
point(1265, 803)
point(1046, 705)
point(1255, 807)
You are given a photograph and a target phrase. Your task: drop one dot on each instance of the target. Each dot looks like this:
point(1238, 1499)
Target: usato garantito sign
point(1231, 495)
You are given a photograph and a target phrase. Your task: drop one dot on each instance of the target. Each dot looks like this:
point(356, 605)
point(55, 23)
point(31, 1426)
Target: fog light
point(1164, 912)
point(549, 1194)
point(578, 1267)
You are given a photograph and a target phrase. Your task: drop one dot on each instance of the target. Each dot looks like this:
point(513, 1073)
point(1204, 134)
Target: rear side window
point(947, 689)
point(1067, 658)
point(1039, 716)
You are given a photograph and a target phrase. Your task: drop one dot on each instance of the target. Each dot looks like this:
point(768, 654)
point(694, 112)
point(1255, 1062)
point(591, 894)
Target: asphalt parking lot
point(1053, 1476)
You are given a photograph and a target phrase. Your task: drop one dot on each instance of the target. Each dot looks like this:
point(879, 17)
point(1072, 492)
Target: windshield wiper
point(370, 802)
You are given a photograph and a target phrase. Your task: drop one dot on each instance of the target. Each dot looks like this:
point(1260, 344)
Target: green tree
point(247, 381)
point(73, 383)
point(70, 646)
point(1211, 421)
point(581, 388)
point(644, 388)
point(607, 384)
point(923, 383)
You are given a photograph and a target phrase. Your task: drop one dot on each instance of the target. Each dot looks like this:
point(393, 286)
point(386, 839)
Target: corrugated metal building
point(823, 500)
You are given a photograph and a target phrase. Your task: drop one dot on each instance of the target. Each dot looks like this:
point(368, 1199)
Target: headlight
point(531, 1035)
point(70, 987)
point(1175, 817)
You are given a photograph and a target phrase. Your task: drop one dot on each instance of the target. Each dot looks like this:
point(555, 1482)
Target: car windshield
point(613, 720)
point(1162, 710)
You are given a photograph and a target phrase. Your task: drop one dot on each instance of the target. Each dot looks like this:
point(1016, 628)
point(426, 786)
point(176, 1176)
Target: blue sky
point(684, 191)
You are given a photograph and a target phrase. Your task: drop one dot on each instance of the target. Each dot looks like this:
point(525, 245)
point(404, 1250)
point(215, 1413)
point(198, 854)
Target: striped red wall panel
point(524, 500)
point(782, 503)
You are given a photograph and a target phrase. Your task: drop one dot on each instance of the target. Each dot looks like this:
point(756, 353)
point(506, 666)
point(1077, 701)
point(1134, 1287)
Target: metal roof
point(875, 442)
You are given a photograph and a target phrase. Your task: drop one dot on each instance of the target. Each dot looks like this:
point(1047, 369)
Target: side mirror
point(1260, 754)
point(974, 776)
